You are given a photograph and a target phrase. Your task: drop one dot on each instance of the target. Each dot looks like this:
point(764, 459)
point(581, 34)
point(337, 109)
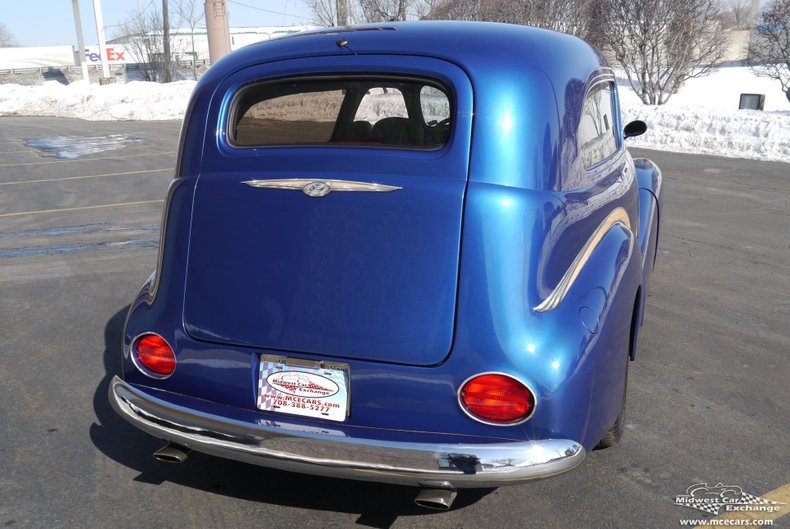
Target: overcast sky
point(51, 23)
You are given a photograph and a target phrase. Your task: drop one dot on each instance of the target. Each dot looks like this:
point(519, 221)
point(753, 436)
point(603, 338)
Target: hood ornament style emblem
point(319, 188)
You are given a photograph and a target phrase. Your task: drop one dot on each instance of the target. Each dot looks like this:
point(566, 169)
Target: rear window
point(391, 112)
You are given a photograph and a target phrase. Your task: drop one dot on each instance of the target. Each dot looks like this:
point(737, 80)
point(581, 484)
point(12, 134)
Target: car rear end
point(336, 295)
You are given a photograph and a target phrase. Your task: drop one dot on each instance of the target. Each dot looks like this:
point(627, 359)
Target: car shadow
point(378, 505)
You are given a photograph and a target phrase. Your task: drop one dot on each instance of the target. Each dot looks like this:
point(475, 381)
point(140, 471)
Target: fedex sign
point(115, 55)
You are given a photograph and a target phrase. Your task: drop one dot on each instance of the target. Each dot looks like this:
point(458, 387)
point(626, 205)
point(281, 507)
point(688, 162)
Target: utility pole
point(105, 67)
point(166, 41)
point(342, 13)
point(217, 29)
point(75, 5)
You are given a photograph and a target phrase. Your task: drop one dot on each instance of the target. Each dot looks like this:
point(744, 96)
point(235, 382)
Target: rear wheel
point(615, 433)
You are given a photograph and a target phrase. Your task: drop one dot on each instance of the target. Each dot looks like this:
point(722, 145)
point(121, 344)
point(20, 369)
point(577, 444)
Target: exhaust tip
point(436, 499)
point(172, 453)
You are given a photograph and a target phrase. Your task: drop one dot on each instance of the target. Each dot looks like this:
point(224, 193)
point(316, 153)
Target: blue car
point(411, 253)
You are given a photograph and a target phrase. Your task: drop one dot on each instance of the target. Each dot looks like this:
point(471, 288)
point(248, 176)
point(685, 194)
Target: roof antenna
point(343, 43)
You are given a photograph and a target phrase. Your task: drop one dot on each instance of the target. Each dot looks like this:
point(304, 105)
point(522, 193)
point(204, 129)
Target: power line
point(269, 10)
point(139, 11)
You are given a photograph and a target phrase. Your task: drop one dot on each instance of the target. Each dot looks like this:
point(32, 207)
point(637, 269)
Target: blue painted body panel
point(489, 225)
point(352, 275)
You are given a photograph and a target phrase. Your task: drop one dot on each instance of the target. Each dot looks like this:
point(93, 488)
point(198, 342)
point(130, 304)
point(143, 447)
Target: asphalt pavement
point(708, 400)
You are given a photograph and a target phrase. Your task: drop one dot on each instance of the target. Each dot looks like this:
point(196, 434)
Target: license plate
point(301, 387)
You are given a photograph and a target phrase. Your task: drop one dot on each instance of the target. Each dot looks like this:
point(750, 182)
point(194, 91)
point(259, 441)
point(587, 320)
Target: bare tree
point(143, 37)
point(567, 16)
point(7, 39)
point(741, 11)
point(769, 47)
point(191, 13)
point(458, 10)
point(325, 11)
point(385, 10)
point(141, 34)
point(663, 43)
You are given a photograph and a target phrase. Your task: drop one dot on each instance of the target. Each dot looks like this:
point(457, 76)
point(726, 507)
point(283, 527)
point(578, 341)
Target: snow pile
point(703, 117)
point(748, 134)
point(136, 100)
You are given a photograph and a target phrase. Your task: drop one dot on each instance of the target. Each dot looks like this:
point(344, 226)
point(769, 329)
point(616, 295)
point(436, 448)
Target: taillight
point(155, 356)
point(498, 399)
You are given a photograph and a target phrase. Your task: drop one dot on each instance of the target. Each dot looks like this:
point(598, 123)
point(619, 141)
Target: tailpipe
point(437, 499)
point(172, 453)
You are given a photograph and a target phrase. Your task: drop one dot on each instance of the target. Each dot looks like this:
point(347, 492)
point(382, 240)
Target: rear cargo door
point(327, 216)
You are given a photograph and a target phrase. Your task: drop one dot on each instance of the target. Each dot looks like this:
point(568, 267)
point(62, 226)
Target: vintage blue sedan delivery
point(412, 253)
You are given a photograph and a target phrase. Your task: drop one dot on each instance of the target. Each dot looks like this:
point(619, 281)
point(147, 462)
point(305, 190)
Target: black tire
point(615, 433)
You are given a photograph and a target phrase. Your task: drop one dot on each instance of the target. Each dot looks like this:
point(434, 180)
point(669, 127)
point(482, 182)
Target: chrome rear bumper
point(421, 464)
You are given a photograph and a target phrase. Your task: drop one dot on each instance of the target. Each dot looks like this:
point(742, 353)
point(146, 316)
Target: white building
point(183, 41)
point(118, 53)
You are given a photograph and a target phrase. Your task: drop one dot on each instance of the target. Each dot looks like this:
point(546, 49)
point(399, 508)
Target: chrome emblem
point(317, 189)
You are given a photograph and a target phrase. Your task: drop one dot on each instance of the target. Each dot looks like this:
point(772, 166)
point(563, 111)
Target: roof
point(468, 44)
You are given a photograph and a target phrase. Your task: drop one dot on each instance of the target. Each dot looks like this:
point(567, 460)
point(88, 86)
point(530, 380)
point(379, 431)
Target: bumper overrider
point(420, 464)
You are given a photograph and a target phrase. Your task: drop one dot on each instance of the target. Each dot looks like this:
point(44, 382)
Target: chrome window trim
point(618, 216)
point(606, 76)
point(492, 423)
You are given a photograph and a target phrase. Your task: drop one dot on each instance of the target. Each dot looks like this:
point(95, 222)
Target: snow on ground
point(137, 100)
point(736, 133)
point(702, 118)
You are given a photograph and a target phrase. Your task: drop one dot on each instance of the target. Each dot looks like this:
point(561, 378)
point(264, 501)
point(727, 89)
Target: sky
point(51, 22)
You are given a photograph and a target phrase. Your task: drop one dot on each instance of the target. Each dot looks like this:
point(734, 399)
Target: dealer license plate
point(302, 387)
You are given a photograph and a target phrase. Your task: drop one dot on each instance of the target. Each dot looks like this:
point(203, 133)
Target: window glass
point(379, 103)
point(361, 111)
point(596, 132)
point(307, 117)
point(434, 105)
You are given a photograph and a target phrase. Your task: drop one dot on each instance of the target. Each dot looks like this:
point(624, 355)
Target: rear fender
point(650, 182)
point(579, 358)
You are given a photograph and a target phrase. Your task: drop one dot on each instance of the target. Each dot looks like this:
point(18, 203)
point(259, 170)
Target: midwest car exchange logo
point(724, 498)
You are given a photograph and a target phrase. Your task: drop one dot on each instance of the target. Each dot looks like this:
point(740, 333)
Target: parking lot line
point(88, 159)
point(28, 151)
point(81, 208)
point(84, 176)
point(781, 495)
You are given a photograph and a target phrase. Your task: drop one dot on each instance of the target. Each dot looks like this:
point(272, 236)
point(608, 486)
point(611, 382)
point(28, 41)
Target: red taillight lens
point(497, 398)
point(155, 355)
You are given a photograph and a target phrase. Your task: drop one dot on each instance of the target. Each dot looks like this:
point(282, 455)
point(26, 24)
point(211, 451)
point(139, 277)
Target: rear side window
point(596, 129)
point(390, 112)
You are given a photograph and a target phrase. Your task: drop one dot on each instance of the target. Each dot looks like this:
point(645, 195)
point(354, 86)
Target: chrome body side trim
point(553, 300)
point(323, 187)
point(407, 463)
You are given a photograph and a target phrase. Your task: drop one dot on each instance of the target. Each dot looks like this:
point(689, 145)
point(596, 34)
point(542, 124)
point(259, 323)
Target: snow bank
point(686, 124)
point(703, 117)
point(136, 100)
point(748, 134)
